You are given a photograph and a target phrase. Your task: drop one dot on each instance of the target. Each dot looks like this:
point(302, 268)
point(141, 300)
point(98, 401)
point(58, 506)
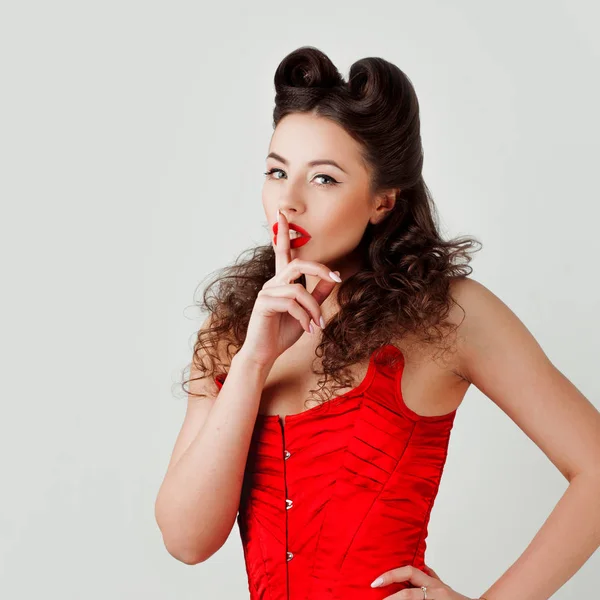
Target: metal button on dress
point(289, 556)
point(288, 503)
point(286, 455)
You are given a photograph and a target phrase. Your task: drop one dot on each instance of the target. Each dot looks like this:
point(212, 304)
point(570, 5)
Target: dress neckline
point(355, 391)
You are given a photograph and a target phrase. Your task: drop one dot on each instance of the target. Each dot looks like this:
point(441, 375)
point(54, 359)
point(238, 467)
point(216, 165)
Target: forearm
point(199, 498)
point(568, 537)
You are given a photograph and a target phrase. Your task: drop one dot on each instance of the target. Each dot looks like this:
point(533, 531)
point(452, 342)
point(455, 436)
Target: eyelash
point(333, 181)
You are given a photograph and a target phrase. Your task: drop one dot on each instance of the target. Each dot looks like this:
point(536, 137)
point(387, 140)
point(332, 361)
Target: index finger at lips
point(282, 247)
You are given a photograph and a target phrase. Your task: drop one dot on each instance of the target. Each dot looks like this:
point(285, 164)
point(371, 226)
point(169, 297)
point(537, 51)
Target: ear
point(384, 203)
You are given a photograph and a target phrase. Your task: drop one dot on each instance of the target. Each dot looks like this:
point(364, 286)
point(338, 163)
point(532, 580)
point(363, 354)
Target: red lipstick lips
point(296, 242)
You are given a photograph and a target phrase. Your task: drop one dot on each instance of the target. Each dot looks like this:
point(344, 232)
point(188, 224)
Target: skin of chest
point(430, 386)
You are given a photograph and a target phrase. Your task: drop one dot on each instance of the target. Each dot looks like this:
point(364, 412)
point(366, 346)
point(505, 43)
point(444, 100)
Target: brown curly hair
point(403, 285)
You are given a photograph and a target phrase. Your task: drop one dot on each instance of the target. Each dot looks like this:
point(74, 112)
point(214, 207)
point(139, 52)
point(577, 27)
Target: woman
point(333, 500)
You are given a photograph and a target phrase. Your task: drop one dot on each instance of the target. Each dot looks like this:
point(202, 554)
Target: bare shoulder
point(203, 386)
point(485, 324)
point(469, 295)
point(466, 294)
point(477, 312)
point(501, 357)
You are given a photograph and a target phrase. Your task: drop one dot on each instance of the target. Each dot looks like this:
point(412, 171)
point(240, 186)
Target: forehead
point(301, 137)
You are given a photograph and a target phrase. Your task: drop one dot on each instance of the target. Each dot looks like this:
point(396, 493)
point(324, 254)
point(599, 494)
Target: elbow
point(179, 548)
point(187, 558)
point(185, 550)
point(182, 544)
point(184, 553)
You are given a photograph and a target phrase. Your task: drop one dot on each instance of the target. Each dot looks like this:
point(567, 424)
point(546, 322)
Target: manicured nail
point(322, 321)
point(335, 275)
point(377, 582)
point(310, 327)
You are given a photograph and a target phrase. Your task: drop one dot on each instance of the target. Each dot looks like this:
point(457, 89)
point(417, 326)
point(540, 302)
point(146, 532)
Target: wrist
point(248, 361)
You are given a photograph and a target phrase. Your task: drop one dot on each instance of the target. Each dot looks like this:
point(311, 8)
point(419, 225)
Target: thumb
point(432, 572)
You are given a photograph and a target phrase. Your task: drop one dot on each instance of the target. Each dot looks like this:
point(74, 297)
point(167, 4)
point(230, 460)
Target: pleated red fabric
point(336, 495)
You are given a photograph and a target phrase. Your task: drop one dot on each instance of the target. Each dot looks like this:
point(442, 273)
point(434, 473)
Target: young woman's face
point(332, 203)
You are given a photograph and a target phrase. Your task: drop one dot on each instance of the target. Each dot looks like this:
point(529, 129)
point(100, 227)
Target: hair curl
point(403, 285)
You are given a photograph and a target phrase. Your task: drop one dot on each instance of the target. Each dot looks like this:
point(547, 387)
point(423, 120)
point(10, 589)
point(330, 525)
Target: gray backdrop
point(132, 145)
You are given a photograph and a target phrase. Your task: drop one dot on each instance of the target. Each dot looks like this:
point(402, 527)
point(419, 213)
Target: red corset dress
point(341, 492)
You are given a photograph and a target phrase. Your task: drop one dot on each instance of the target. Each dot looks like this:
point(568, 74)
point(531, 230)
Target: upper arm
point(501, 358)
point(197, 408)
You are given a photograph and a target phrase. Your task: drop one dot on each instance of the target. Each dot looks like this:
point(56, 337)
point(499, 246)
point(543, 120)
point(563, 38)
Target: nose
point(287, 212)
point(290, 203)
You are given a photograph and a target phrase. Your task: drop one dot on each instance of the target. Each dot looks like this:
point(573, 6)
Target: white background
point(133, 138)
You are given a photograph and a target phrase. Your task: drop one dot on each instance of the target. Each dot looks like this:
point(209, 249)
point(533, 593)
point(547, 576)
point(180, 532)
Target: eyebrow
point(312, 163)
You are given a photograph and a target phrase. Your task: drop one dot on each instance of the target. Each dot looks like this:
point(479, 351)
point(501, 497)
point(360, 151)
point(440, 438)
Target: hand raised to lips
point(293, 227)
point(296, 241)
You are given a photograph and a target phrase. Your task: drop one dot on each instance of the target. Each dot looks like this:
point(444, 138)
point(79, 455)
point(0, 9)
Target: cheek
point(340, 237)
point(346, 223)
